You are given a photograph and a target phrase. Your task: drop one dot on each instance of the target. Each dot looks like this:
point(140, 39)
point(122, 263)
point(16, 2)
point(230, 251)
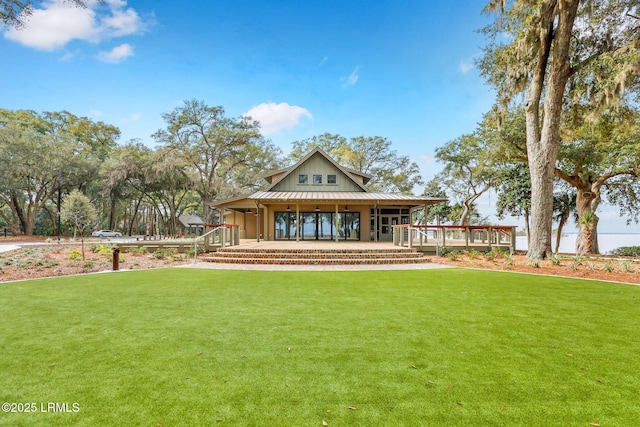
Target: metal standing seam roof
point(329, 196)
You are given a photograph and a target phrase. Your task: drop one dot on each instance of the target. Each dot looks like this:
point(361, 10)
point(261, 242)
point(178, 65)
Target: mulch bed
point(613, 269)
point(32, 262)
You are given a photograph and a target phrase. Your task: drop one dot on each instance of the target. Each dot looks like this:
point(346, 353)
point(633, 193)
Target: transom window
point(331, 179)
point(317, 179)
point(303, 179)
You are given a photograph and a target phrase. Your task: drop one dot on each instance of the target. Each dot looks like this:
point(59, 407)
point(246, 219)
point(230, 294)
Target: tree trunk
point(112, 213)
point(464, 217)
point(528, 228)
point(542, 159)
point(561, 224)
point(543, 130)
point(587, 240)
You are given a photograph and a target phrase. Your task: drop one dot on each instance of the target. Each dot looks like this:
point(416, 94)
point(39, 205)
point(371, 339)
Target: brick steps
point(315, 256)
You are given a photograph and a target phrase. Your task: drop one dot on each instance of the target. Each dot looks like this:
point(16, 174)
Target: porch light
point(248, 210)
point(317, 209)
point(346, 208)
point(288, 209)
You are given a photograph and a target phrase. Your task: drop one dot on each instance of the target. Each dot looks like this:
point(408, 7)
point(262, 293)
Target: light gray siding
point(317, 165)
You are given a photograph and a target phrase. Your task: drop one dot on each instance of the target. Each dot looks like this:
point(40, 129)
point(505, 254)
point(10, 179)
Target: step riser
point(314, 261)
point(308, 256)
point(316, 256)
point(316, 251)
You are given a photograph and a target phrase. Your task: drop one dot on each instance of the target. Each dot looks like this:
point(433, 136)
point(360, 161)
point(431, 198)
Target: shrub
point(473, 254)
point(88, 265)
point(626, 267)
point(75, 255)
point(578, 259)
point(494, 253)
point(608, 266)
point(104, 250)
point(452, 255)
point(508, 260)
point(171, 252)
point(630, 251)
point(591, 266)
point(159, 254)
point(190, 253)
point(556, 259)
point(140, 250)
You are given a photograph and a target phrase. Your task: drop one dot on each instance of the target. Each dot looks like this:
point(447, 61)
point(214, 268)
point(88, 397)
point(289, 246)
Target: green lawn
point(450, 347)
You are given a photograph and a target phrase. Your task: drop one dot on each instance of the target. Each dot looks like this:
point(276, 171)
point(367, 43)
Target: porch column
point(257, 221)
point(244, 223)
point(265, 223)
point(297, 222)
point(375, 222)
point(335, 220)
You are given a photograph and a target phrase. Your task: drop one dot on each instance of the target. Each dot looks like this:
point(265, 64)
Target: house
point(318, 199)
point(191, 225)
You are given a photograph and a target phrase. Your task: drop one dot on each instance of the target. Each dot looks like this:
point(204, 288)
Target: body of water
point(607, 242)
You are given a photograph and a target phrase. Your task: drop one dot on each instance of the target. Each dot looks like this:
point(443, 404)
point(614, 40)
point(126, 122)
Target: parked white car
point(106, 233)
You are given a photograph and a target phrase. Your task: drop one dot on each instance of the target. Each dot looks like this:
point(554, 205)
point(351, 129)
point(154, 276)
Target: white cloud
point(117, 54)
point(96, 113)
point(352, 78)
point(274, 117)
point(426, 159)
point(66, 57)
point(133, 117)
point(325, 59)
point(58, 23)
point(465, 66)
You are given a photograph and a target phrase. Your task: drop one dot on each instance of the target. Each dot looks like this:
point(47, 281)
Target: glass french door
point(318, 226)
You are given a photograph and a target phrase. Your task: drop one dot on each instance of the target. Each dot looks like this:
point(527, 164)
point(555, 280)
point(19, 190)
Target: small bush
point(608, 266)
point(578, 259)
point(140, 250)
point(104, 250)
point(75, 255)
point(473, 254)
point(88, 265)
point(159, 254)
point(494, 253)
point(171, 252)
point(508, 260)
point(452, 255)
point(630, 251)
point(190, 253)
point(626, 267)
point(556, 259)
point(590, 265)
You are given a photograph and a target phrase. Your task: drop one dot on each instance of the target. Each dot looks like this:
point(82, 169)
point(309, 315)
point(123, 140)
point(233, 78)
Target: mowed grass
point(451, 347)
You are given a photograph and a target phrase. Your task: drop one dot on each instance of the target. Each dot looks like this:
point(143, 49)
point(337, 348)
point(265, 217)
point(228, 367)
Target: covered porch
point(322, 216)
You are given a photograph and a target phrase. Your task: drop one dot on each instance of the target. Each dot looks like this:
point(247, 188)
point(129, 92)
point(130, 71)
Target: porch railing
point(481, 237)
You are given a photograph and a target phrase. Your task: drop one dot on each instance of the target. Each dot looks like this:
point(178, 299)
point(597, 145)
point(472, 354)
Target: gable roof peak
point(317, 150)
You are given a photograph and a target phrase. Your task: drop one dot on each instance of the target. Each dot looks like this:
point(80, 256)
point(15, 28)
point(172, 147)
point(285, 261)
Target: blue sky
point(401, 70)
